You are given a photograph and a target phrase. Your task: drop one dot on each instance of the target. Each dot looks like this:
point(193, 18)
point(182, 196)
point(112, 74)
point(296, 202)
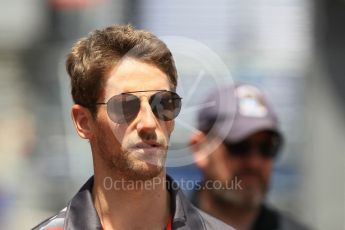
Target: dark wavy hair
point(93, 57)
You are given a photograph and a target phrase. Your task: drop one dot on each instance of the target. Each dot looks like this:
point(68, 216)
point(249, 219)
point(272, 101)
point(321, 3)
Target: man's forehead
point(148, 89)
point(133, 75)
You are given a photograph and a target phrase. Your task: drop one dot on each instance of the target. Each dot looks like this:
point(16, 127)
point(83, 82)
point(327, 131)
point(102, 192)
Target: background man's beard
point(243, 199)
point(247, 198)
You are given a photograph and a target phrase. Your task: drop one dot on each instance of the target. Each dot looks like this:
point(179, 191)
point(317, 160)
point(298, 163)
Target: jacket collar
point(81, 212)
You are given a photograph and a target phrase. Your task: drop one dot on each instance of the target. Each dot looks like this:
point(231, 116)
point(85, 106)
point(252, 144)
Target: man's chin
point(252, 199)
point(149, 162)
point(246, 198)
point(142, 170)
point(138, 165)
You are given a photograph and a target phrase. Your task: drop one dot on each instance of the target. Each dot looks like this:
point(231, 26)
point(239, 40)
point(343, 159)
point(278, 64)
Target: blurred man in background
point(237, 144)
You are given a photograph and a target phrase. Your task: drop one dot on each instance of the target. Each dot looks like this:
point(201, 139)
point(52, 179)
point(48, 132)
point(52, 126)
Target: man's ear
point(197, 145)
point(82, 119)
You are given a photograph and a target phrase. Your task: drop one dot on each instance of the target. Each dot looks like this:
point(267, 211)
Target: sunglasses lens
point(238, 149)
point(123, 108)
point(267, 149)
point(165, 105)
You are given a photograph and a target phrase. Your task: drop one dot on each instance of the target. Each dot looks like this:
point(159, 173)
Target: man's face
point(251, 167)
point(137, 149)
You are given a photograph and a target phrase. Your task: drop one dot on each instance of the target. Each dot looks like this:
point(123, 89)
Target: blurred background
point(293, 50)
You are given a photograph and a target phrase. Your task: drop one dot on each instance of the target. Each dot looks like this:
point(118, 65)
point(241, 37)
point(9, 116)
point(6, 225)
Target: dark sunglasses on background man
point(267, 149)
point(124, 107)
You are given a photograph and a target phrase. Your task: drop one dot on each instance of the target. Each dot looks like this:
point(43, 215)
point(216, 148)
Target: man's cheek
point(168, 127)
point(118, 134)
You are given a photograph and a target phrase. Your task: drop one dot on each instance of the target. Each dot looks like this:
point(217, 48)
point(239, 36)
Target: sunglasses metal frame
point(124, 120)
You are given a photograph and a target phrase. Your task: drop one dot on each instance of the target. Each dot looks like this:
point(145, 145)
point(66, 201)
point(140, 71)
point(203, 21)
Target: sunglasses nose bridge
point(149, 103)
point(147, 119)
point(144, 103)
point(254, 158)
point(257, 154)
point(250, 150)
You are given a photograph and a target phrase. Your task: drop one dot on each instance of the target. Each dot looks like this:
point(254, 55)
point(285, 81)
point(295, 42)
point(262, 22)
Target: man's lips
point(145, 145)
point(147, 148)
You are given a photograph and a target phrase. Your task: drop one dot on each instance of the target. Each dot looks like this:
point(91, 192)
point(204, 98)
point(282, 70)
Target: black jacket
point(81, 214)
point(268, 218)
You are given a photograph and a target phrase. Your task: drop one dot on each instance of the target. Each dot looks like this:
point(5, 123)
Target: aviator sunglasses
point(266, 149)
point(124, 107)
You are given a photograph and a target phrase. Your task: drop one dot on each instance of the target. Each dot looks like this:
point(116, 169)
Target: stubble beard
point(124, 164)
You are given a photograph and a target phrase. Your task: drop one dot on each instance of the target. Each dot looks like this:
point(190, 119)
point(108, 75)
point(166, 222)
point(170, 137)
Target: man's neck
point(122, 204)
point(238, 217)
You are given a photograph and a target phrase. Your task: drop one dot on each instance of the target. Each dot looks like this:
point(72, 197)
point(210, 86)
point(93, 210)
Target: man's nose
point(147, 120)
